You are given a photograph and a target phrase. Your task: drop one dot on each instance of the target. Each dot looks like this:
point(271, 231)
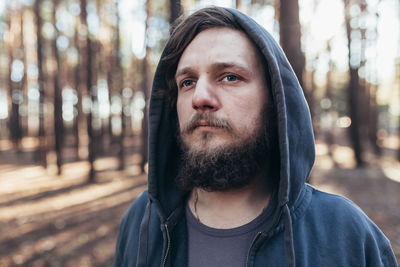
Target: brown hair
point(184, 32)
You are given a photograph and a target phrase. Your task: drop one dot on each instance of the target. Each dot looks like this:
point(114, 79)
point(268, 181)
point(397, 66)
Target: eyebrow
point(215, 66)
point(184, 71)
point(226, 65)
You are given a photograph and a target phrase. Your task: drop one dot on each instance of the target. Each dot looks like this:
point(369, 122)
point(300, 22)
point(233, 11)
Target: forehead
point(221, 44)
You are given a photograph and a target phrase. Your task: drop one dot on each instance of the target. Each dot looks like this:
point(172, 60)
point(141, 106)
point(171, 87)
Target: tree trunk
point(24, 81)
point(290, 40)
point(373, 120)
point(78, 120)
point(290, 36)
point(119, 83)
point(110, 82)
point(353, 97)
point(238, 4)
point(353, 102)
point(175, 10)
point(329, 137)
point(86, 61)
point(14, 85)
point(146, 92)
point(398, 79)
point(42, 149)
point(372, 89)
point(58, 120)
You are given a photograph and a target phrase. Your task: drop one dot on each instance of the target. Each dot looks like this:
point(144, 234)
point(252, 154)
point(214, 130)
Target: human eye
point(186, 83)
point(231, 78)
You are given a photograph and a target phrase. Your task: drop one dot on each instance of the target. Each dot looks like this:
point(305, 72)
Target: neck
point(230, 209)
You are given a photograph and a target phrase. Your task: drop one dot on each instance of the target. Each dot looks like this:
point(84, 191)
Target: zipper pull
point(168, 245)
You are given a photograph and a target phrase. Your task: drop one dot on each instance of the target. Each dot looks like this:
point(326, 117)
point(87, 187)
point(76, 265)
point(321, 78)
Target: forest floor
point(50, 220)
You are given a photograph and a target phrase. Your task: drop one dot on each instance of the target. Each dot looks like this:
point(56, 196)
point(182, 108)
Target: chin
point(209, 145)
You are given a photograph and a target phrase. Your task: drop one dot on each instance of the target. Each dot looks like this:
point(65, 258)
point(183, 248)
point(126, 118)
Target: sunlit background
point(75, 79)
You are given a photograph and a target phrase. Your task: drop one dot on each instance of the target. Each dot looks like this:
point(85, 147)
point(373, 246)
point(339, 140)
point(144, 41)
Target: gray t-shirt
point(209, 247)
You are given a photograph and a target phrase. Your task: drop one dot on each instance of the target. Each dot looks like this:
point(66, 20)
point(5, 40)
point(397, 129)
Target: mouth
point(206, 128)
point(205, 125)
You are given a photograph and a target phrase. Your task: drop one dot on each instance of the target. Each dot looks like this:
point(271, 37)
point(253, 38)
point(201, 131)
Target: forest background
point(75, 79)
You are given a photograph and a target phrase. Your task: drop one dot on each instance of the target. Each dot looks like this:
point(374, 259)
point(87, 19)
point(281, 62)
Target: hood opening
point(295, 135)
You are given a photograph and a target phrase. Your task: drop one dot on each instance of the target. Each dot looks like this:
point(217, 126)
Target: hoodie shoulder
point(343, 231)
point(137, 208)
point(129, 230)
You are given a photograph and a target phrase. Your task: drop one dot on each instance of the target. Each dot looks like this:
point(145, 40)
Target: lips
point(204, 124)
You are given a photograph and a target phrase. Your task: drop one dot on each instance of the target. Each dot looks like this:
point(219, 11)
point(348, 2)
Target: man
point(231, 148)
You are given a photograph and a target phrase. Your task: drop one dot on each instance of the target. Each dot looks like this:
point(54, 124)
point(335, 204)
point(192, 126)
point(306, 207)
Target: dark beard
point(229, 167)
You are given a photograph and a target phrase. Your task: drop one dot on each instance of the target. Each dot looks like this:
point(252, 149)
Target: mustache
point(200, 118)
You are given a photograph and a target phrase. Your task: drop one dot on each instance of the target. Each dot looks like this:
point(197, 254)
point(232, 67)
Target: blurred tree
point(354, 87)
point(119, 84)
point(290, 40)
point(146, 91)
point(312, 88)
point(86, 57)
point(238, 4)
point(329, 136)
point(58, 120)
point(290, 36)
point(398, 80)
point(259, 2)
point(110, 82)
point(79, 118)
point(24, 80)
point(371, 84)
point(373, 119)
point(42, 148)
point(362, 83)
point(15, 77)
point(175, 10)
point(9, 69)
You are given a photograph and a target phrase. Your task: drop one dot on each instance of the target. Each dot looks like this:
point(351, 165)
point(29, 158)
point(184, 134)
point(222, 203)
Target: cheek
point(249, 105)
point(247, 111)
point(183, 110)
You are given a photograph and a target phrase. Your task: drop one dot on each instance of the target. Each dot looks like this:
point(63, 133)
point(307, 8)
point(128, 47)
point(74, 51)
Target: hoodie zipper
point(168, 246)
point(251, 245)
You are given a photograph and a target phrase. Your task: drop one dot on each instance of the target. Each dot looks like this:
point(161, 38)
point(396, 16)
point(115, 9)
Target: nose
point(205, 97)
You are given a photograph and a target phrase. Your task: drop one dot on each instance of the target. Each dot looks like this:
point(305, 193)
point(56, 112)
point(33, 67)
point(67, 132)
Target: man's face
point(221, 90)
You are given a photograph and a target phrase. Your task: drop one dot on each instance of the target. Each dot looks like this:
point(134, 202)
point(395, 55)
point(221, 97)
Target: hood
point(296, 140)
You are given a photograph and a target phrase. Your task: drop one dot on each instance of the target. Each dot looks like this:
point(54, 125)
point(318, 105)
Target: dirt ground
point(49, 220)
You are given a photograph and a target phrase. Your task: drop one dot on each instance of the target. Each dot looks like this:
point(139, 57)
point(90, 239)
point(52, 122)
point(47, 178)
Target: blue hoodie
point(309, 227)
